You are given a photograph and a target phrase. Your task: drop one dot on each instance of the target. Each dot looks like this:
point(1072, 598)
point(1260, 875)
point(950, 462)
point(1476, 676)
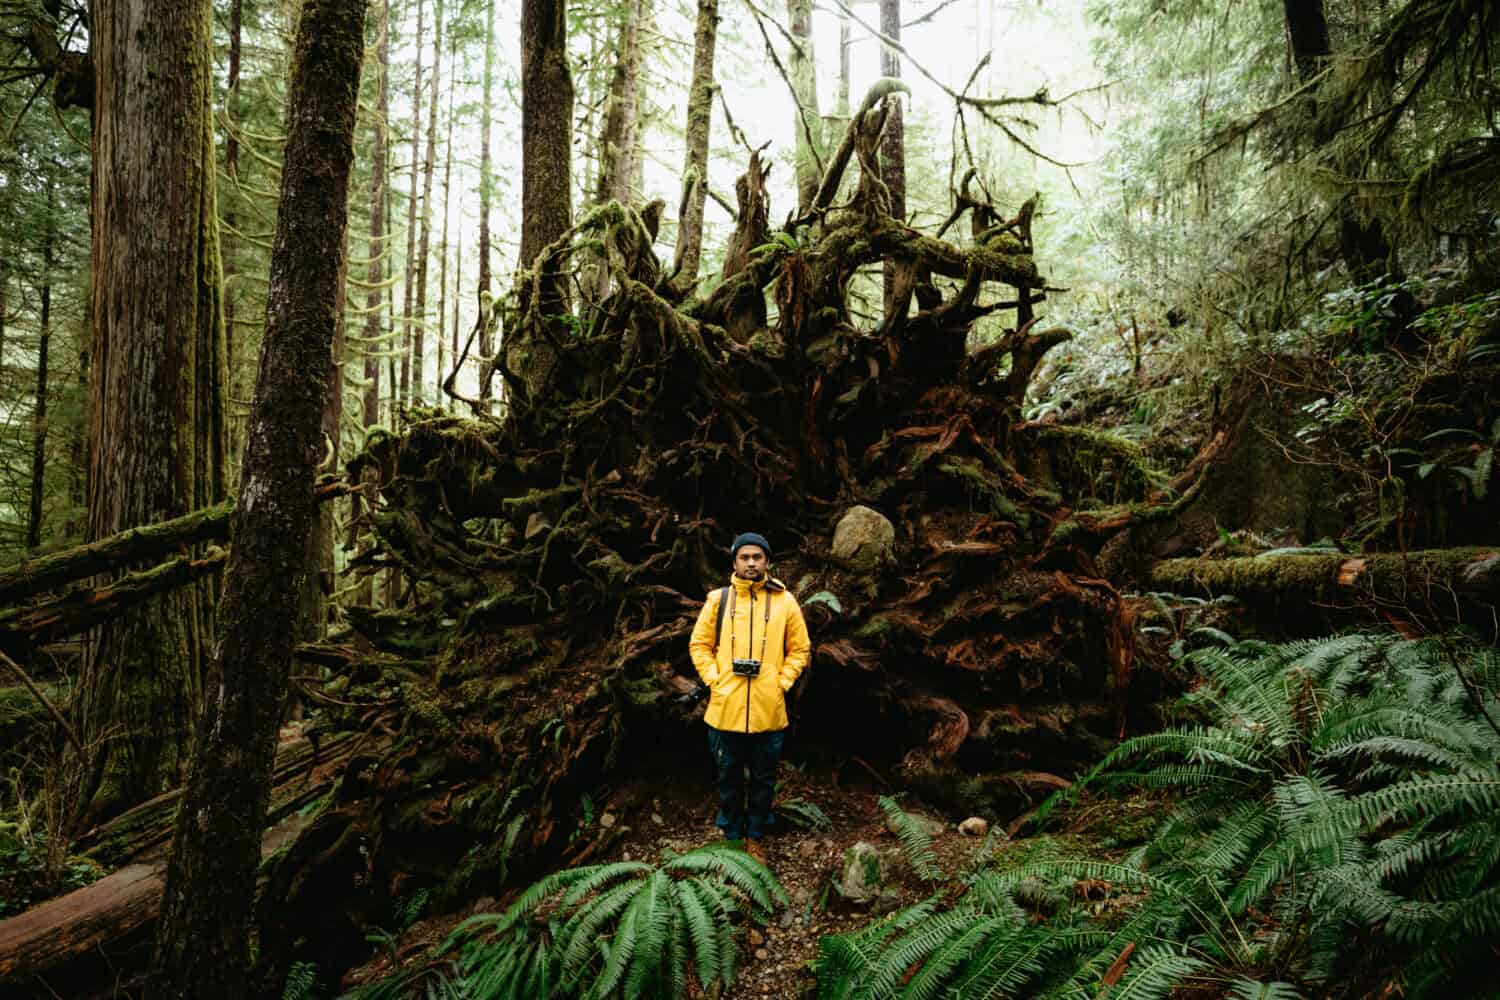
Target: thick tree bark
point(486, 190)
point(807, 124)
point(429, 162)
point(546, 185)
point(158, 368)
point(618, 142)
point(700, 113)
point(403, 393)
point(39, 418)
point(203, 946)
point(893, 147)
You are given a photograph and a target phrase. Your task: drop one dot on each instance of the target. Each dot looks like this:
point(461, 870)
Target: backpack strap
point(719, 622)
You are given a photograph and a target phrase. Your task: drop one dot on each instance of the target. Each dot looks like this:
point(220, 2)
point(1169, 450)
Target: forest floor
point(654, 814)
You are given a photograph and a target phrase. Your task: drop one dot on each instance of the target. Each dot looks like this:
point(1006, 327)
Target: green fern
point(301, 982)
point(626, 929)
point(915, 842)
point(1339, 818)
point(803, 813)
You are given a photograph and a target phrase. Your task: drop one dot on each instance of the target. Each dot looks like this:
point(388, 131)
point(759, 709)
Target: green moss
point(1089, 464)
point(422, 704)
point(983, 487)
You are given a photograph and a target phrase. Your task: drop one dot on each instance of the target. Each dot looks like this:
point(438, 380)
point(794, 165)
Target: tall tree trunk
point(841, 107)
point(403, 394)
point(893, 144)
point(39, 420)
point(442, 311)
point(1307, 28)
point(486, 190)
point(419, 326)
point(379, 254)
point(700, 113)
point(157, 375)
point(806, 122)
point(231, 219)
point(1362, 241)
point(618, 140)
point(203, 942)
point(546, 177)
point(317, 588)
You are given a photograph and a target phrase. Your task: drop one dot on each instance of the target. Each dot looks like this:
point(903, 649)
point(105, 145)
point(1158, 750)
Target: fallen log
point(23, 628)
point(72, 926)
point(1419, 580)
point(134, 545)
point(149, 825)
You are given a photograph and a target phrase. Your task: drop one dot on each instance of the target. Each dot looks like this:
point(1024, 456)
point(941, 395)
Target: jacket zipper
point(750, 681)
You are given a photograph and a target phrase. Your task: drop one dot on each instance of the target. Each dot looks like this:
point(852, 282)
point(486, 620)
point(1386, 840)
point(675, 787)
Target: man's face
point(750, 562)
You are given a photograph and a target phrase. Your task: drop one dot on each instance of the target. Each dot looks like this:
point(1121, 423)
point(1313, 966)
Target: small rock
point(656, 818)
point(788, 917)
point(607, 820)
point(807, 849)
point(863, 874)
point(974, 826)
point(625, 856)
point(761, 954)
point(864, 540)
point(756, 937)
point(932, 827)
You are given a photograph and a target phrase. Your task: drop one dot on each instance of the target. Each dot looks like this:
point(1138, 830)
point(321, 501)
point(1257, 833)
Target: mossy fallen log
point(75, 925)
point(25, 627)
point(132, 546)
point(1424, 581)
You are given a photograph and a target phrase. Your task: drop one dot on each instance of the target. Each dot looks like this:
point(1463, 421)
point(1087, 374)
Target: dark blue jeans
point(734, 754)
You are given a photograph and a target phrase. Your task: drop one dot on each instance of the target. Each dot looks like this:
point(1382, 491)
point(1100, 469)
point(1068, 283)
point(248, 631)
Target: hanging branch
point(807, 129)
point(984, 105)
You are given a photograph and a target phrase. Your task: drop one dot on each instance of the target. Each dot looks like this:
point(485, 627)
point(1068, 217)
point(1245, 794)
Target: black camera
point(746, 668)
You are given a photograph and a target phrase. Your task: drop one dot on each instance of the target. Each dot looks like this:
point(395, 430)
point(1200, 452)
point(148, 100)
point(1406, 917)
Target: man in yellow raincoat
point(761, 647)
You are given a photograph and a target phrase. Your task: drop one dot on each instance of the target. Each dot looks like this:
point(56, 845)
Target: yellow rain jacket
point(744, 704)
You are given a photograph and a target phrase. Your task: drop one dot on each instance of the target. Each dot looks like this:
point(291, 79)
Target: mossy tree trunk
point(203, 944)
point(806, 123)
point(157, 369)
point(486, 192)
point(700, 114)
point(403, 389)
point(39, 418)
point(893, 146)
point(424, 239)
point(546, 189)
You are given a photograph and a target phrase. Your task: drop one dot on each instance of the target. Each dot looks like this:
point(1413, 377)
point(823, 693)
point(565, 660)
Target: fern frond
point(1155, 971)
point(1249, 989)
point(916, 845)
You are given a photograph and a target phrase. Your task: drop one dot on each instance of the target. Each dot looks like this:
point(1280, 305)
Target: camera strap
point(765, 632)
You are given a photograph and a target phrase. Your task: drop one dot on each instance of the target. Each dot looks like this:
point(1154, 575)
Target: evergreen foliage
point(915, 842)
point(625, 929)
point(1338, 822)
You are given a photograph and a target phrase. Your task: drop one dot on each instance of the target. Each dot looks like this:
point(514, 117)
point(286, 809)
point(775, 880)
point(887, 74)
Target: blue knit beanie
point(749, 538)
